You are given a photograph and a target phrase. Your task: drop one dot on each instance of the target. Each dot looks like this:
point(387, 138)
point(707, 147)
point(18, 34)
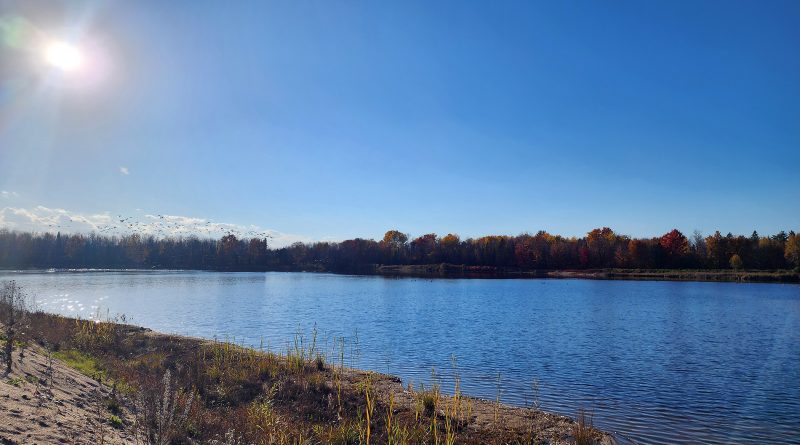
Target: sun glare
point(63, 56)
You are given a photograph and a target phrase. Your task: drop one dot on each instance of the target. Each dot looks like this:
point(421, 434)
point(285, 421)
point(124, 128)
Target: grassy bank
point(177, 390)
point(460, 271)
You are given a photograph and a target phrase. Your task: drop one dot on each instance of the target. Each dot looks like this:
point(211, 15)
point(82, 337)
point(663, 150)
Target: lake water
point(660, 362)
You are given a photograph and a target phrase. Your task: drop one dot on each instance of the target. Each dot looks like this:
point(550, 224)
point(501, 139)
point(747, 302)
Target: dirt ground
point(45, 402)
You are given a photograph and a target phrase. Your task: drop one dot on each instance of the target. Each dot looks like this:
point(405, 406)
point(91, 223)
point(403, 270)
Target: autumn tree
point(674, 243)
point(716, 247)
point(493, 250)
point(675, 246)
point(534, 251)
point(563, 252)
point(792, 249)
point(601, 246)
point(736, 262)
point(424, 248)
point(395, 239)
point(394, 245)
point(639, 254)
point(523, 251)
point(449, 245)
point(769, 253)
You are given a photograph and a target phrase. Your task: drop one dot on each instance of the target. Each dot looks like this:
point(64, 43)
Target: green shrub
point(115, 421)
point(16, 381)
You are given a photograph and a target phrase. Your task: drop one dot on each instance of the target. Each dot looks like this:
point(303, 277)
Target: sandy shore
point(46, 402)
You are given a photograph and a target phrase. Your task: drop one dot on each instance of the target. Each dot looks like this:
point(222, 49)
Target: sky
point(338, 119)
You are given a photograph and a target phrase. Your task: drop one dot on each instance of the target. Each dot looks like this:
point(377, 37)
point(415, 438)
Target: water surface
point(660, 362)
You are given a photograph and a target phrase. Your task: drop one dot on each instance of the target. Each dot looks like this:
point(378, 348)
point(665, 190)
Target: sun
point(63, 56)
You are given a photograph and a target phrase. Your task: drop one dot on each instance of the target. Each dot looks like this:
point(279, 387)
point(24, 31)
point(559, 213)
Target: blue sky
point(331, 120)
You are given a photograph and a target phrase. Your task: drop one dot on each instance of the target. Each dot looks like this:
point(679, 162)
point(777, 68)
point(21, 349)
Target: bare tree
point(698, 243)
point(13, 317)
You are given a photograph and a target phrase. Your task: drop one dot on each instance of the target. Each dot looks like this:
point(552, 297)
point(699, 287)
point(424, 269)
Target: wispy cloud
point(5, 194)
point(124, 171)
point(45, 219)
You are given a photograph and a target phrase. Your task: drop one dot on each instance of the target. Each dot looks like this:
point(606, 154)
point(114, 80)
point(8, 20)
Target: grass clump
point(115, 421)
point(81, 362)
point(113, 406)
point(16, 381)
point(582, 430)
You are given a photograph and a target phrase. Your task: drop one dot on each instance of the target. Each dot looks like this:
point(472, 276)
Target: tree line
point(600, 248)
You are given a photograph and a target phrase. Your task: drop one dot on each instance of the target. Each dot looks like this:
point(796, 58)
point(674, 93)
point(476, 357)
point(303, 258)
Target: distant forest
point(600, 248)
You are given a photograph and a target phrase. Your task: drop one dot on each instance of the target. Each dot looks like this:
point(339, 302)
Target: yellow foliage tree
point(736, 262)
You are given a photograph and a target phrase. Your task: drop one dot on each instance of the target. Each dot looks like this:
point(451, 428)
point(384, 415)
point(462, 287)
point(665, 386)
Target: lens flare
point(63, 56)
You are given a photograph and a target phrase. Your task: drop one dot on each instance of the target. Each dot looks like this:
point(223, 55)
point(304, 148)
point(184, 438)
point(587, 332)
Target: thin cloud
point(124, 171)
point(5, 194)
point(52, 220)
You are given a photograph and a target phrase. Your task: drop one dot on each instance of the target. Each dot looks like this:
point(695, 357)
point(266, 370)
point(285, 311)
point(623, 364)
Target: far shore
point(461, 271)
point(450, 271)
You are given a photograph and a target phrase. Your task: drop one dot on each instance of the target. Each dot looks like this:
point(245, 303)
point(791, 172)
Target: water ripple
point(657, 362)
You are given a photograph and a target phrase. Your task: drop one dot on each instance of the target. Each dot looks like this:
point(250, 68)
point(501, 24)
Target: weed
point(582, 430)
point(346, 434)
point(320, 362)
point(265, 425)
point(536, 402)
point(113, 406)
point(161, 411)
point(369, 409)
point(115, 421)
point(16, 381)
point(429, 402)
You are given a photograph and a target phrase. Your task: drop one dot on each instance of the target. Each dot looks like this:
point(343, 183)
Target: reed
point(582, 430)
point(369, 409)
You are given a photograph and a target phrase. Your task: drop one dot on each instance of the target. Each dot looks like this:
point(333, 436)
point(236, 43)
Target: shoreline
point(460, 271)
point(453, 271)
point(298, 386)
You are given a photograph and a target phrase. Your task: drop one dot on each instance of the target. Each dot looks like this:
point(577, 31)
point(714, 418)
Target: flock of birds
point(163, 226)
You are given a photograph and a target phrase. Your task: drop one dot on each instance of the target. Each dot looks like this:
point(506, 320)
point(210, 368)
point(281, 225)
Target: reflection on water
point(662, 362)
